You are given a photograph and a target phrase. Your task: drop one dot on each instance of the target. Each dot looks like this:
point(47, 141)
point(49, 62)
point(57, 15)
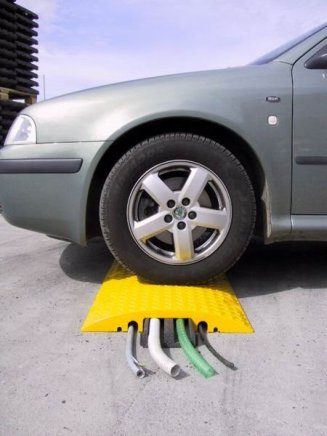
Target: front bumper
point(44, 187)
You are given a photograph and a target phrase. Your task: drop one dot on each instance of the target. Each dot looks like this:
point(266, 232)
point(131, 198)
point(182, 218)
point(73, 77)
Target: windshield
point(272, 55)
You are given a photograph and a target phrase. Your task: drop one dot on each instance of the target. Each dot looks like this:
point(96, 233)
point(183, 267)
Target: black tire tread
point(173, 137)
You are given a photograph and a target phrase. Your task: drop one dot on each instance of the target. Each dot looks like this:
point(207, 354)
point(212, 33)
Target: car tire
point(177, 209)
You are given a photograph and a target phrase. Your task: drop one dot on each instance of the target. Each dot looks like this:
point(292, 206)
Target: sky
point(87, 43)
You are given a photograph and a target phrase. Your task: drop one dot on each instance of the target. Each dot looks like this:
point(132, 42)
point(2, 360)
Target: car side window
point(318, 61)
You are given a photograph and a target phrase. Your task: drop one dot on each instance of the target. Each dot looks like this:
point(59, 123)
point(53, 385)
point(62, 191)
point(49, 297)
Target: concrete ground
point(56, 381)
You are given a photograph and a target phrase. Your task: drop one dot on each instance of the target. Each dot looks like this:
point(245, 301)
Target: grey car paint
point(86, 124)
point(309, 137)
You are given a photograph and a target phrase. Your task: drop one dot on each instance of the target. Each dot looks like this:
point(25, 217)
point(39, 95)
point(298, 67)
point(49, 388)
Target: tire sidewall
point(138, 161)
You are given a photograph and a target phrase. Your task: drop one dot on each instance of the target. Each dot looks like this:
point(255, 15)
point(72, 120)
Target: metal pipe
point(157, 354)
point(130, 350)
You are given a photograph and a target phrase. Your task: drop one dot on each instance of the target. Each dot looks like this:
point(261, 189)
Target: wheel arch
point(212, 130)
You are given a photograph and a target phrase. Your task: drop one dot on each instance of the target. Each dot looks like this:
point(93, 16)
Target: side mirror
point(318, 61)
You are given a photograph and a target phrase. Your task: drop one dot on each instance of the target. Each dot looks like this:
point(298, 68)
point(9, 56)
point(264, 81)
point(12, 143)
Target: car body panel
point(86, 124)
point(309, 137)
point(234, 98)
point(54, 204)
point(228, 97)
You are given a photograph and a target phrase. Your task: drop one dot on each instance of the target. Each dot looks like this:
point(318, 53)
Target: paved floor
point(56, 381)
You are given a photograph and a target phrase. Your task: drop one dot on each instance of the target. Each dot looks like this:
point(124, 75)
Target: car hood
point(102, 113)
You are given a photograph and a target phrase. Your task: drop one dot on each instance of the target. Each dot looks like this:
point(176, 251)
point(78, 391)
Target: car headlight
point(22, 131)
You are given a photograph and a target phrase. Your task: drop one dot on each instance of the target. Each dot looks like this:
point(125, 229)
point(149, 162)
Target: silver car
point(177, 172)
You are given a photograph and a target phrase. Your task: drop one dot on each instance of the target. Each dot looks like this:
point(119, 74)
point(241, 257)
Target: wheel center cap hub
point(180, 213)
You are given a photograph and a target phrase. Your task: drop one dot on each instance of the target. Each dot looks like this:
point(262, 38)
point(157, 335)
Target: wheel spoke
point(151, 226)
point(194, 185)
point(184, 248)
point(179, 189)
point(210, 218)
point(157, 189)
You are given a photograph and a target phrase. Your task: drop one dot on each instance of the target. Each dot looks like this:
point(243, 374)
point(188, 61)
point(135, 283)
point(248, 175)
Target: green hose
point(191, 353)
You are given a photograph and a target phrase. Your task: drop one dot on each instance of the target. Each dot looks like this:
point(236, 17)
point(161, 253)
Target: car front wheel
point(177, 209)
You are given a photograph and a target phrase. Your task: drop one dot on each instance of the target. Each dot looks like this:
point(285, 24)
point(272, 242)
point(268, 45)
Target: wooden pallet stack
point(18, 77)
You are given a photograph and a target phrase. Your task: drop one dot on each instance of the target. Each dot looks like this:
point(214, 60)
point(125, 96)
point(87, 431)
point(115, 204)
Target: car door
point(309, 187)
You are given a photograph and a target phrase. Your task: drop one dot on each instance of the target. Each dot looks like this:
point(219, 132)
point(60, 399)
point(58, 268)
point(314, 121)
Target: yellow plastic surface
point(124, 297)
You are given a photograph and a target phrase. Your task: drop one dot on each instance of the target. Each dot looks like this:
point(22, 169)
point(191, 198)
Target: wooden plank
point(10, 94)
